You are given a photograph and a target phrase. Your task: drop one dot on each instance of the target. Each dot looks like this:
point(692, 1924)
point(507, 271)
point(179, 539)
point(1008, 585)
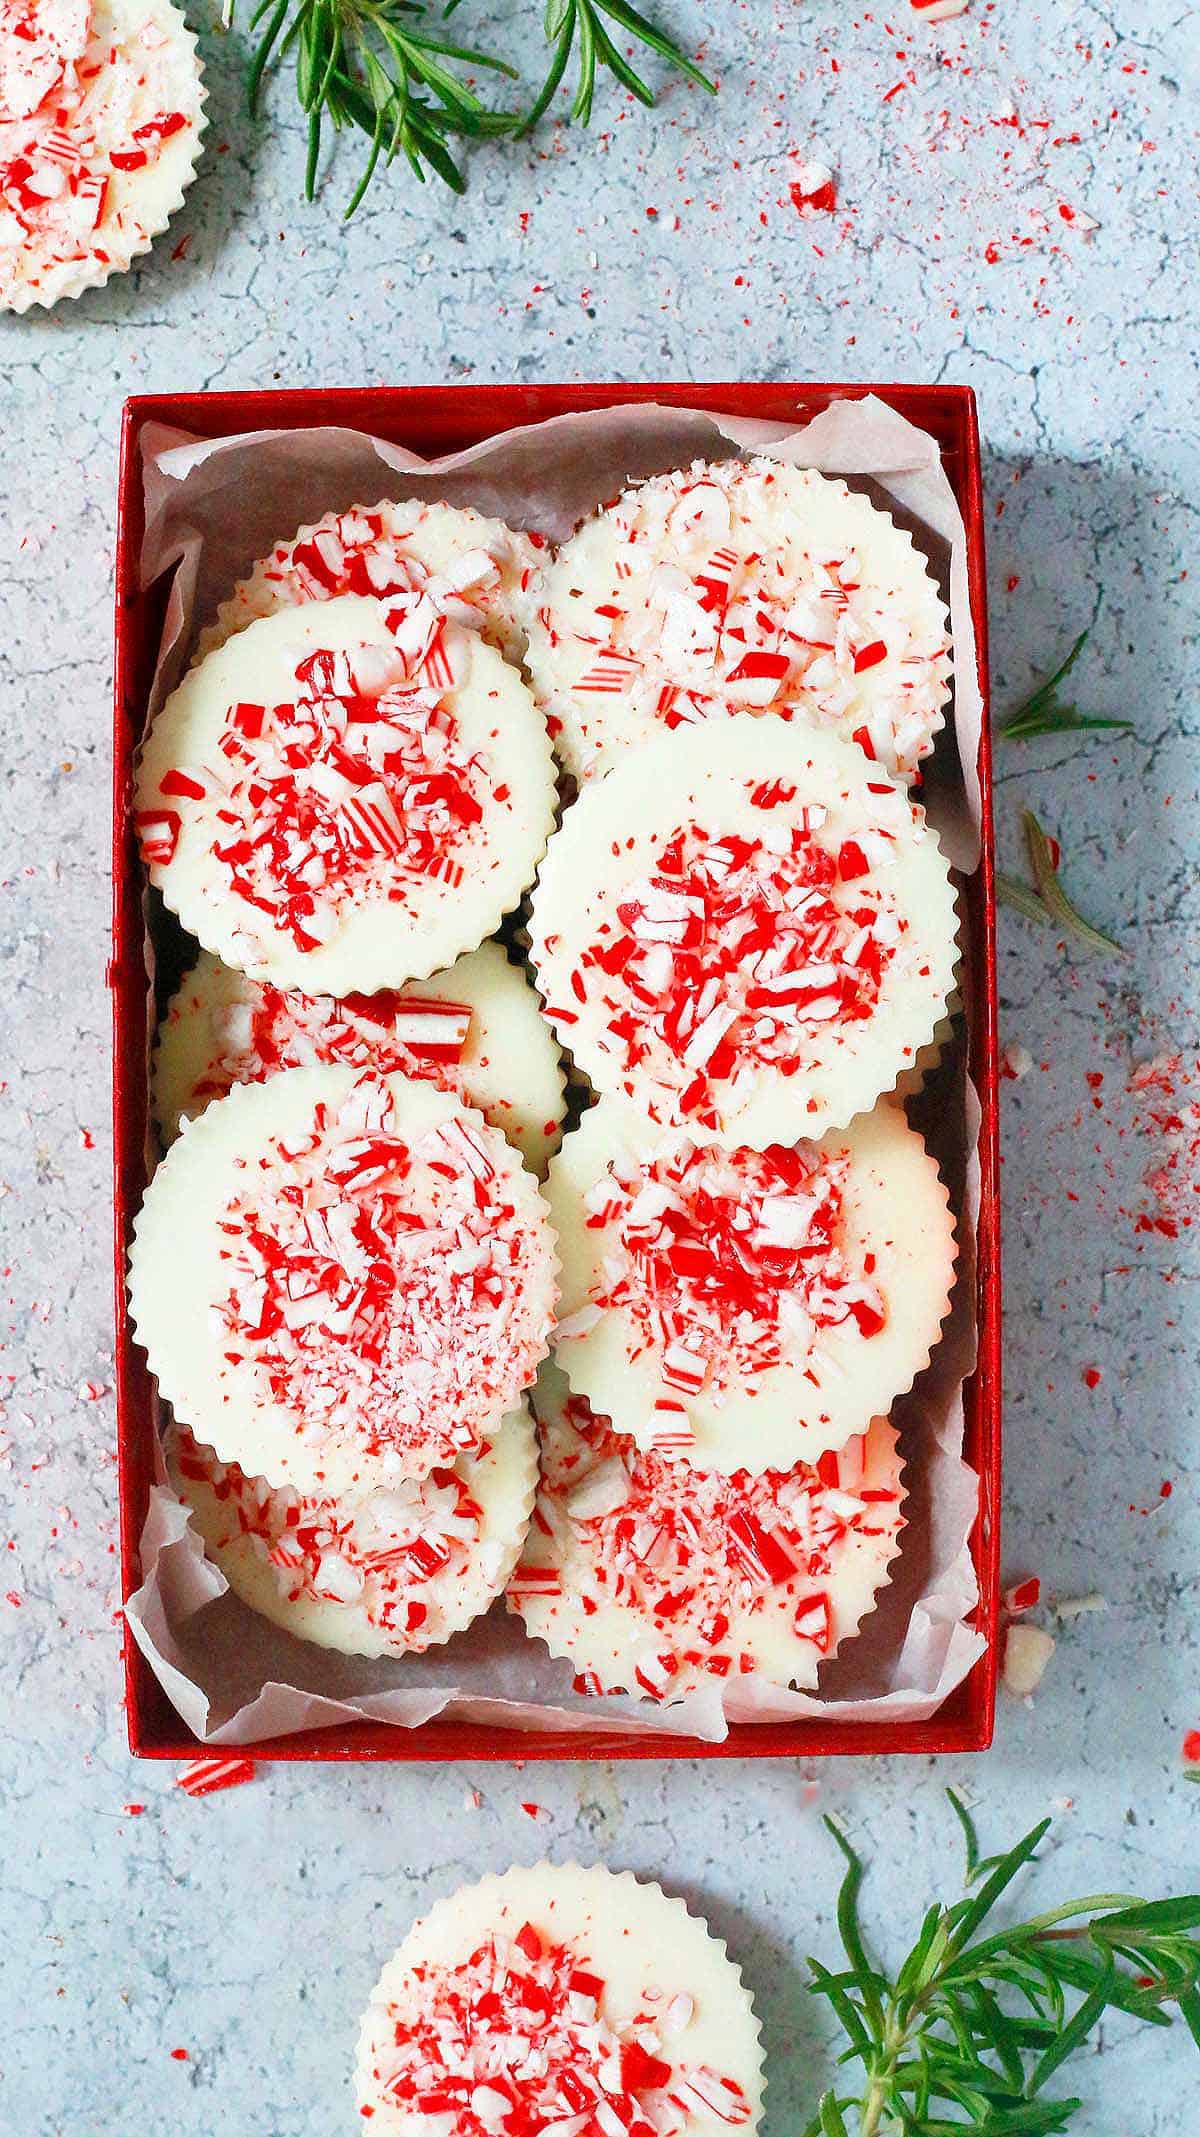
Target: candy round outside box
point(556, 1989)
point(745, 930)
point(651, 1576)
point(101, 117)
point(742, 1309)
point(346, 796)
point(476, 571)
point(340, 1281)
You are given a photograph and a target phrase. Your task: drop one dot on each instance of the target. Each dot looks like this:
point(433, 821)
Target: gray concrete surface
point(247, 1929)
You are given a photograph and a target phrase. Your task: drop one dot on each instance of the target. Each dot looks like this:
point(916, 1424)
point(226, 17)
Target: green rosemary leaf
point(1076, 2030)
point(1152, 1917)
point(925, 1957)
point(980, 2025)
point(1010, 891)
point(1043, 713)
point(832, 2122)
point(1189, 2011)
point(581, 28)
point(1054, 897)
point(865, 1976)
point(970, 1835)
point(826, 1984)
point(968, 1915)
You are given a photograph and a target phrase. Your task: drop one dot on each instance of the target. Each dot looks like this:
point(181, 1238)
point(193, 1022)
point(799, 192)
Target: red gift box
point(432, 420)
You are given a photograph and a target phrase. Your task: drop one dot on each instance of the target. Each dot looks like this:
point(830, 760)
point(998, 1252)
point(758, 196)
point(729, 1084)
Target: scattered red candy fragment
point(1191, 1747)
point(813, 191)
point(203, 1777)
point(1026, 1595)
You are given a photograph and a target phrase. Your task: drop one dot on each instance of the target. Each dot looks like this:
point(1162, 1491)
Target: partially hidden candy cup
point(389, 1572)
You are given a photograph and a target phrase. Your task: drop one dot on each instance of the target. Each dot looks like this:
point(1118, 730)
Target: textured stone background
point(247, 1929)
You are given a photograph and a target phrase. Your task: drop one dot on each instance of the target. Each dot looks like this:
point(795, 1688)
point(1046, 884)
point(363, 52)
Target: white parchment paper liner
point(212, 508)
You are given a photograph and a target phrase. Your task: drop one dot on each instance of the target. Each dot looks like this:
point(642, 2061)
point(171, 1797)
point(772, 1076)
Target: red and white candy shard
point(743, 1309)
point(389, 1572)
point(569, 2002)
point(476, 1029)
point(342, 1280)
point(651, 1576)
point(100, 124)
point(746, 930)
point(346, 795)
point(743, 586)
point(477, 572)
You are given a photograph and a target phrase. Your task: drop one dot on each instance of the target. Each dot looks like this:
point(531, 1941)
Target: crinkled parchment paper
point(211, 510)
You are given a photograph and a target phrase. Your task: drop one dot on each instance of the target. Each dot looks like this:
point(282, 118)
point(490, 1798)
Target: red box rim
point(432, 420)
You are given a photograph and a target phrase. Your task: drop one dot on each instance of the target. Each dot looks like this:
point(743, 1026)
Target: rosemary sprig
point(585, 22)
point(1044, 713)
point(1046, 901)
point(375, 65)
point(974, 2025)
point(372, 64)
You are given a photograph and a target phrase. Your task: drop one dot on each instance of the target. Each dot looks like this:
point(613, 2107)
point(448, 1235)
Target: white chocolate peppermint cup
point(392, 1572)
point(478, 572)
point(109, 146)
point(346, 795)
point(738, 1309)
point(743, 586)
point(653, 1578)
point(746, 930)
point(342, 1280)
point(476, 1029)
point(586, 2000)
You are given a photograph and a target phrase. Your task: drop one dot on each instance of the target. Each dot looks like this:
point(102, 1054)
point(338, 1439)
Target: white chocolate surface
point(609, 844)
point(373, 940)
point(629, 1933)
point(830, 1381)
point(621, 1642)
point(178, 1274)
point(652, 611)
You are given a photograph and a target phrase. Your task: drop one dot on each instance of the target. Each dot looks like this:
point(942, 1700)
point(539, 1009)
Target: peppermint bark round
point(342, 1280)
point(651, 1577)
point(100, 124)
point(388, 1572)
point(734, 587)
point(744, 1309)
point(346, 796)
point(476, 1029)
point(565, 2001)
point(477, 572)
point(746, 930)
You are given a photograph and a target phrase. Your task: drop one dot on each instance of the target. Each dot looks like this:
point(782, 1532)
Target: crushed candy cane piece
point(1077, 218)
point(813, 190)
point(520, 2028)
point(203, 1777)
point(1026, 1595)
